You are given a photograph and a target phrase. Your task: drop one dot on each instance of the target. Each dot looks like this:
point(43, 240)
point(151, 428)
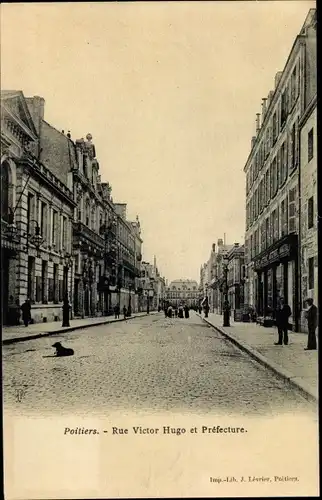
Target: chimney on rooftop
point(258, 122)
point(264, 99)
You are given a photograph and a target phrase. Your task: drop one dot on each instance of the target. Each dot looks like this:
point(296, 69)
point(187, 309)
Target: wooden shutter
point(50, 290)
point(292, 210)
point(38, 288)
point(61, 287)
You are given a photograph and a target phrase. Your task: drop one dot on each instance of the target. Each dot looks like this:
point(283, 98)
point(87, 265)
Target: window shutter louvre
point(50, 290)
point(61, 285)
point(38, 288)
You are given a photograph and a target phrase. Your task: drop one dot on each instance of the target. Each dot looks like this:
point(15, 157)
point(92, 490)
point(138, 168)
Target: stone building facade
point(183, 291)
point(37, 210)
point(152, 286)
point(235, 280)
point(309, 206)
point(62, 232)
point(216, 283)
point(272, 187)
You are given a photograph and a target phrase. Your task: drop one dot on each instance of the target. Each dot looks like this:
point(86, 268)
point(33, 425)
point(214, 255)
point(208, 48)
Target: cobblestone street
point(148, 364)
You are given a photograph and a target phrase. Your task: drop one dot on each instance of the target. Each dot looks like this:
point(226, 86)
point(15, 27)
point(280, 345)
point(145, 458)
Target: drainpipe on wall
point(299, 257)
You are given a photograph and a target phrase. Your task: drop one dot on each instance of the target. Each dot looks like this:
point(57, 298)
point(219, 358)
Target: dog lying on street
point(62, 351)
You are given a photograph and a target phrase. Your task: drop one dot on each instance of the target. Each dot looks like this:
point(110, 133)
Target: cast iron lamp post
point(226, 307)
point(11, 230)
point(66, 307)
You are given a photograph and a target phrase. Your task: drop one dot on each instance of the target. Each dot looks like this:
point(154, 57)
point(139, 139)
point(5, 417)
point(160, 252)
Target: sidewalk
point(12, 334)
point(292, 362)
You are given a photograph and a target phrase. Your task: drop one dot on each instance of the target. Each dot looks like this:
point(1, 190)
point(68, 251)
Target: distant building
point(216, 283)
point(235, 280)
point(183, 291)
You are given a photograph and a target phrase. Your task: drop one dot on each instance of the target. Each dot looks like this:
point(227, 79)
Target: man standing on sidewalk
point(312, 321)
point(283, 312)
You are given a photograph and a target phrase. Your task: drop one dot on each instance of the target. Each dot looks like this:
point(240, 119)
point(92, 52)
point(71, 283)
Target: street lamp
point(35, 239)
point(226, 307)
point(11, 231)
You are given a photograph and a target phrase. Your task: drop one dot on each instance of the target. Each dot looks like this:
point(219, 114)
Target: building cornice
point(308, 111)
point(6, 113)
point(39, 170)
point(276, 94)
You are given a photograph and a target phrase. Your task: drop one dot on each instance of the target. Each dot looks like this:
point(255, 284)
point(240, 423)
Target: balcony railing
point(89, 234)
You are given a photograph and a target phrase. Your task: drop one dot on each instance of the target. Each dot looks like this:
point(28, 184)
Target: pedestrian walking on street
point(165, 311)
point(176, 312)
point(186, 312)
point(180, 312)
point(312, 322)
point(283, 312)
point(26, 312)
point(117, 312)
point(124, 312)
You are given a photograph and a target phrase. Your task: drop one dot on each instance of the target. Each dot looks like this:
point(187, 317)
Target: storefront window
point(270, 289)
point(280, 281)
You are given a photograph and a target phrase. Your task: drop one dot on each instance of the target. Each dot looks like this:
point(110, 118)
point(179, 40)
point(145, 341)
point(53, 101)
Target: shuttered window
point(55, 284)
point(310, 144)
point(311, 273)
point(292, 210)
point(310, 213)
point(44, 219)
point(38, 288)
point(61, 290)
point(50, 290)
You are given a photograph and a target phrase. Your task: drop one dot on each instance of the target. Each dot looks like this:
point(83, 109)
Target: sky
point(169, 92)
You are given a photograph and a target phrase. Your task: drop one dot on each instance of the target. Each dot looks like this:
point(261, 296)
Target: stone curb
point(69, 329)
point(287, 376)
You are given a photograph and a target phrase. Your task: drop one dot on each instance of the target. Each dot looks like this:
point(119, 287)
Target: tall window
point(31, 279)
point(310, 144)
point(284, 109)
point(311, 273)
point(292, 210)
point(282, 164)
point(44, 277)
point(87, 213)
point(64, 233)
point(310, 213)
point(275, 127)
point(30, 210)
point(5, 191)
point(268, 234)
point(55, 283)
point(292, 148)
point(43, 219)
point(54, 228)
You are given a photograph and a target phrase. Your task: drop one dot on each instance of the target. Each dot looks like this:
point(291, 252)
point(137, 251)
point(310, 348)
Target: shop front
point(276, 275)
